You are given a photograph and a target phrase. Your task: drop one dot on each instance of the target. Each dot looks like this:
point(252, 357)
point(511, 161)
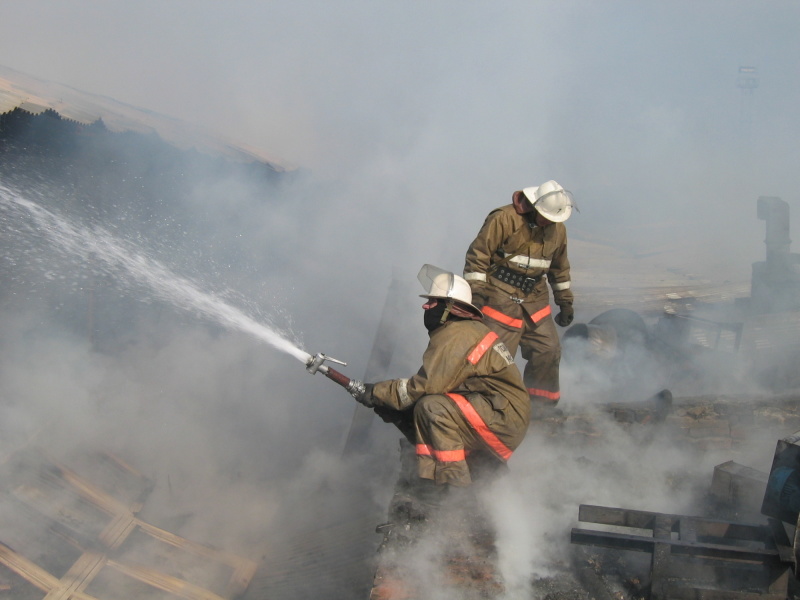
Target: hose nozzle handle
point(316, 363)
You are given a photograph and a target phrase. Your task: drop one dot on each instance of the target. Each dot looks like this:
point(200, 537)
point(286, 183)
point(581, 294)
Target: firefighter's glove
point(362, 392)
point(564, 318)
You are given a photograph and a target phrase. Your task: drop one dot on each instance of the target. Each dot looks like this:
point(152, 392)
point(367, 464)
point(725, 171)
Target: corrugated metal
point(18, 90)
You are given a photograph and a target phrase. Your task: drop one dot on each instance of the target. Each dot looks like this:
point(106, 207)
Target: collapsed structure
point(760, 333)
point(713, 556)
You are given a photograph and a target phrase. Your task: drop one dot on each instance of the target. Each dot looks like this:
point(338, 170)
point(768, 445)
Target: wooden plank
point(702, 541)
point(603, 515)
point(36, 576)
point(167, 583)
point(687, 529)
point(78, 510)
point(620, 541)
point(640, 519)
point(662, 551)
point(779, 583)
point(118, 530)
point(696, 593)
point(781, 539)
point(78, 577)
point(28, 570)
point(243, 569)
point(194, 547)
point(92, 493)
point(739, 486)
point(243, 573)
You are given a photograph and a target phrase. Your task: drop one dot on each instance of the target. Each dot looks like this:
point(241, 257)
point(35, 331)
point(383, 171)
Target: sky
point(632, 105)
point(414, 119)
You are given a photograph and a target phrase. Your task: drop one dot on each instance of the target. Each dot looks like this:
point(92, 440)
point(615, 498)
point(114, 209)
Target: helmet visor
point(436, 281)
point(569, 200)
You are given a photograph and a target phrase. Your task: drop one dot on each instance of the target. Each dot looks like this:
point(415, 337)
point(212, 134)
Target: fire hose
point(315, 364)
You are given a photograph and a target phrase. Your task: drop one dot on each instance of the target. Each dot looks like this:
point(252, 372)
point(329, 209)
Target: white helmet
point(551, 201)
point(446, 285)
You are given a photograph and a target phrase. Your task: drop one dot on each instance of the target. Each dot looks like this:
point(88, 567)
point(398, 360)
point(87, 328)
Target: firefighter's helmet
point(447, 286)
point(551, 201)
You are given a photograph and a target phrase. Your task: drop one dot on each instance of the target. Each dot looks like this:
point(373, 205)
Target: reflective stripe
point(541, 314)
point(441, 455)
point(502, 318)
point(558, 287)
point(526, 262)
point(475, 276)
point(402, 391)
point(480, 427)
point(544, 394)
point(479, 350)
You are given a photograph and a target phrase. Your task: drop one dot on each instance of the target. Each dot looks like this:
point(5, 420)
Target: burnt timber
point(691, 554)
point(66, 536)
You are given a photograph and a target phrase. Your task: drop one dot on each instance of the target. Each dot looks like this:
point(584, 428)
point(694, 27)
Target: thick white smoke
point(414, 121)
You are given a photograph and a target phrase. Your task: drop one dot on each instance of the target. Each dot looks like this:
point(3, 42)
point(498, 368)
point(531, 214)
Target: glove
point(362, 392)
point(566, 315)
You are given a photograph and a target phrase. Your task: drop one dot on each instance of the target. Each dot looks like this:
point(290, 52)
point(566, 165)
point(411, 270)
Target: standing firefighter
point(466, 400)
point(521, 247)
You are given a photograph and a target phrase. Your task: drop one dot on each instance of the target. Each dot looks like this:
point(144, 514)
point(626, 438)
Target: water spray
point(129, 264)
point(124, 260)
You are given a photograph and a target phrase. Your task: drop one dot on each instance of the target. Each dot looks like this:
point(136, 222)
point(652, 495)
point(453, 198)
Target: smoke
point(639, 467)
point(410, 124)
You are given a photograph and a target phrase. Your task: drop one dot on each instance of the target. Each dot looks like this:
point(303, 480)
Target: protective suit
point(467, 397)
point(508, 267)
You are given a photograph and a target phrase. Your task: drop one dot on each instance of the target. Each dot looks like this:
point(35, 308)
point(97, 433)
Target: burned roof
point(24, 92)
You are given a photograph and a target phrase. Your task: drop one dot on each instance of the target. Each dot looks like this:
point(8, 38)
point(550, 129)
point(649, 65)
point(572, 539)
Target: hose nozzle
point(315, 363)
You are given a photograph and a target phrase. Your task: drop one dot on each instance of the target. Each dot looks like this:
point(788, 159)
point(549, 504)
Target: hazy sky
point(460, 94)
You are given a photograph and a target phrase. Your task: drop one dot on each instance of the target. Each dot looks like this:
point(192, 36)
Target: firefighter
point(520, 248)
point(467, 399)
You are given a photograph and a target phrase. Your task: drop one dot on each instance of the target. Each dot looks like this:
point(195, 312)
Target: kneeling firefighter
point(467, 399)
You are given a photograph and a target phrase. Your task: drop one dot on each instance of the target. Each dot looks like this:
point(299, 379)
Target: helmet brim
point(556, 218)
point(470, 307)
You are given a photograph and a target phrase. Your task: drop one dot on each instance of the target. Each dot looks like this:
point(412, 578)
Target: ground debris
point(451, 556)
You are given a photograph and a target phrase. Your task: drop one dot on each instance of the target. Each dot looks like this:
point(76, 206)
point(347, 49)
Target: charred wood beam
point(702, 527)
point(637, 543)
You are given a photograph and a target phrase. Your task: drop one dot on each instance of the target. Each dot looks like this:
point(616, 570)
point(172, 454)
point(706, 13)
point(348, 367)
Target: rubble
point(71, 533)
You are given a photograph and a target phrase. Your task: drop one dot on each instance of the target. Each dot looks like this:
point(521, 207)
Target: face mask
point(433, 315)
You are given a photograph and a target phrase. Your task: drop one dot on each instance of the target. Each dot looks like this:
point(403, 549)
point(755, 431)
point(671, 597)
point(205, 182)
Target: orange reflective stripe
point(480, 427)
point(479, 350)
point(540, 314)
point(441, 455)
point(449, 455)
point(502, 318)
point(545, 394)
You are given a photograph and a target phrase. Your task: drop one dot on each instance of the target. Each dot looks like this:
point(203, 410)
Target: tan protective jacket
point(464, 357)
point(537, 251)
